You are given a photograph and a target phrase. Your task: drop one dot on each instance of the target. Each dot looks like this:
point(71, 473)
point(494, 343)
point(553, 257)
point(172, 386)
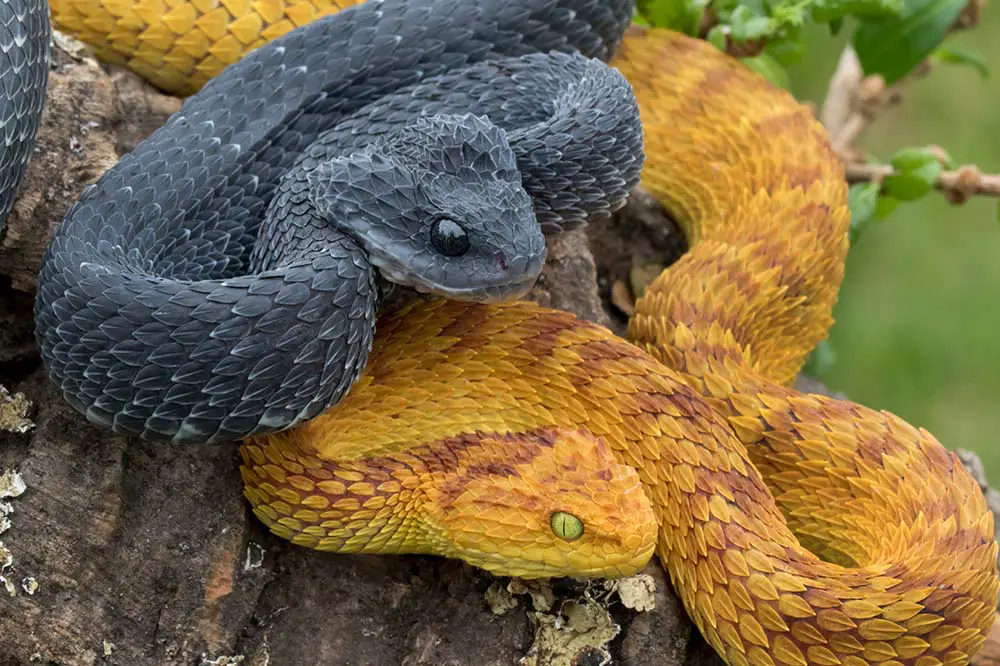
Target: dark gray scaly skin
point(218, 281)
point(24, 70)
point(552, 108)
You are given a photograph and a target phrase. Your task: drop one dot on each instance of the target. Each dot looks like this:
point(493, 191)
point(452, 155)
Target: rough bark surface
point(91, 118)
point(130, 553)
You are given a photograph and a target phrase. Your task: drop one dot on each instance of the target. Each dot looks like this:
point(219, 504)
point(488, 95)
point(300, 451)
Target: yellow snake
point(797, 529)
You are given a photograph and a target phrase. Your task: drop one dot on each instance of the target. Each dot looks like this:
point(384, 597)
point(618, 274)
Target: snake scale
point(221, 283)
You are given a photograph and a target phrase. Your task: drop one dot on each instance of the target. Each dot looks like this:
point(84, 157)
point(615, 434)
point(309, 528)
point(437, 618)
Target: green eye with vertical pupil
point(566, 526)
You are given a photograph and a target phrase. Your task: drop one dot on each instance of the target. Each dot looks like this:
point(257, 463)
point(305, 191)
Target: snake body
point(796, 528)
point(24, 71)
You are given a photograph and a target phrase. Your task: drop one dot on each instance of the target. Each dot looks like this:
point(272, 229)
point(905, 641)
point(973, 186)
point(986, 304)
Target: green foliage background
point(918, 323)
point(919, 312)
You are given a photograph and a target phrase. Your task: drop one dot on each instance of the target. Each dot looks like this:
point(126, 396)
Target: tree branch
point(853, 102)
point(958, 186)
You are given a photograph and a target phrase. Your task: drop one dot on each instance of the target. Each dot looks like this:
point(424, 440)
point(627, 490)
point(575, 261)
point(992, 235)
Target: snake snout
point(516, 277)
point(499, 272)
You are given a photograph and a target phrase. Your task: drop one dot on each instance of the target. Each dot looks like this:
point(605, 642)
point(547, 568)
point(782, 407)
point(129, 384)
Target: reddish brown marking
point(540, 346)
point(490, 469)
point(446, 455)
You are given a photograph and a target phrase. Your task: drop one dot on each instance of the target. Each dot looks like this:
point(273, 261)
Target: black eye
point(449, 238)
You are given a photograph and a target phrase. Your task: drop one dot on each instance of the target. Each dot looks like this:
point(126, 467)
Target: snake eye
point(449, 238)
point(566, 526)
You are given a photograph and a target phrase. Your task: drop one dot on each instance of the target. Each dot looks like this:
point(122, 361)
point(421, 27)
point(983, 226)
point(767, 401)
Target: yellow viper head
point(543, 503)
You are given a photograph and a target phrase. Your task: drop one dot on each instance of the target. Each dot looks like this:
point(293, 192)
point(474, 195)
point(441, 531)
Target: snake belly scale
point(796, 528)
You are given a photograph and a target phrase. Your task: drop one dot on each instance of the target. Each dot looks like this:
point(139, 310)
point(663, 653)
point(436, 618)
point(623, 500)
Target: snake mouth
point(486, 294)
point(509, 279)
point(503, 564)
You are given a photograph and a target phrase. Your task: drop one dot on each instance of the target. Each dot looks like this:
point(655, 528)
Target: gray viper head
point(439, 206)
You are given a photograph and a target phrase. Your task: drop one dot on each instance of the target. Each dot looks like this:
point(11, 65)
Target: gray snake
point(222, 279)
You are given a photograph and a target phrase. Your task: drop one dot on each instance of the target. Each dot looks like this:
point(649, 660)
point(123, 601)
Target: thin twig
point(853, 102)
point(958, 185)
point(838, 104)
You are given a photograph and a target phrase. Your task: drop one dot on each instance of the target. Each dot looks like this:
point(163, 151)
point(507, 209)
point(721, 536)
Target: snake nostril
point(501, 260)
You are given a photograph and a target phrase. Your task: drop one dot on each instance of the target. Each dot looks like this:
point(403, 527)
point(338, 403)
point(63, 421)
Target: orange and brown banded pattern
point(798, 529)
point(903, 558)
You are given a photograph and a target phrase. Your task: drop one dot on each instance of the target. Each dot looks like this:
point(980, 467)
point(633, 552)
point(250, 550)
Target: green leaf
point(755, 6)
point(917, 169)
point(756, 27)
point(723, 7)
point(893, 46)
point(953, 56)
point(770, 69)
point(717, 37)
point(910, 159)
point(824, 11)
point(791, 15)
point(661, 13)
point(886, 205)
point(787, 52)
point(745, 25)
point(681, 15)
point(835, 26)
point(862, 199)
point(913, 184)
point(695, 11)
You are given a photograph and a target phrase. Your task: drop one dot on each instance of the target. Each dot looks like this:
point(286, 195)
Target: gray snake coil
point(220, 280)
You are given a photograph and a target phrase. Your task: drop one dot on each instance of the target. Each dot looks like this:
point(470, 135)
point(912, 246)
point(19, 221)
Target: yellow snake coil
point(797, 529)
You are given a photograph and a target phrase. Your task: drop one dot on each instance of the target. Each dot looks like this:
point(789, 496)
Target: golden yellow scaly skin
point(912, 575)
point(178, 45)
point(474, 423)
point(484, 497)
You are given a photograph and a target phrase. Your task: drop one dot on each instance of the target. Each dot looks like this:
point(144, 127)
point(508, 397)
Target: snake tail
point(179, 48)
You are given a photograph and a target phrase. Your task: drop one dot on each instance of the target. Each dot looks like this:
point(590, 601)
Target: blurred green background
point(918, 322)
